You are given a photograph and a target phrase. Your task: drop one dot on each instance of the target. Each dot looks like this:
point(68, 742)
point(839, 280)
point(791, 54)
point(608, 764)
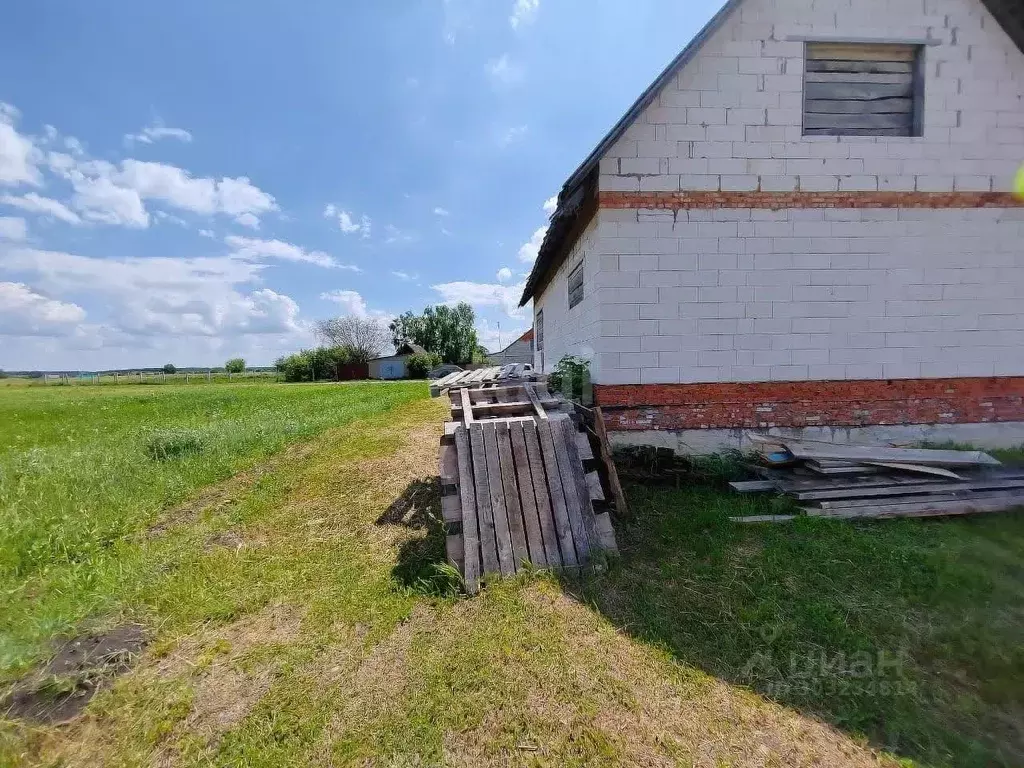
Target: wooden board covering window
point(862, 89)
point(538, 334)
point(576, 285)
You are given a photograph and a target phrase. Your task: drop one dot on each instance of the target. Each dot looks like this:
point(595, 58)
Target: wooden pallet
point(482, 377)
point(520, 488)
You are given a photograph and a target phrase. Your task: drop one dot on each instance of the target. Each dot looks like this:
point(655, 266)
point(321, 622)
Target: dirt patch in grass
point(59, 691)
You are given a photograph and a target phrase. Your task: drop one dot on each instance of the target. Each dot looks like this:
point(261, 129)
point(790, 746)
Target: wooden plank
point(839, 106)
point(905, 490)
point(863, 120)
point(527, 495)
point(861, 132)
point(451, 509)
point(918, 468)
point(499, 409)
point(846, 469)
point(446, 380)
point(858, 91)
point(516, 525)
point(862, 52)
point(448, 464)
point(831, 65)
point(488, 545)
point(568, 470)
point(931, 497)
point(467, 496)
point(502, 533)
point(582, 490)
point(467, 407)
point(454, 546)
point(840, 452)
point(763, 519)
point(860, 77)
point(604, 447)
point(752, 486)
point(531, 394)
point(606, 533)
point(557, 492)
point(584, 447)
point(594, 486)
point(545, 512)
point(927, 509)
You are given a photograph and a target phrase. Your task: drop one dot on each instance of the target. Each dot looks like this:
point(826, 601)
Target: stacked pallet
point(514, 372)
point(878, 482)
point(519, 485)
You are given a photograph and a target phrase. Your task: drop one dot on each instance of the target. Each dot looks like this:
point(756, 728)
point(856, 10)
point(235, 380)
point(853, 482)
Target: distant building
point(393, 366)
point(519, 351)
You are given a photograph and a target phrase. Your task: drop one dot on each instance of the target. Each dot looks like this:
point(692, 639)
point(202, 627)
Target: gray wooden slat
point(557, 492)
point(583, 446)
point(569, 432)
point(885, 67)
point(502, 534)
point(917, 468)
point(527, 496)
point(470, 527)
point(763, 519)
point(850, 452)
point(545, 512)
point(516, 524)
point(864, 120)
point(612, 473)
point(573, 504)
point(931, 497)
point(862, 51)
point(451, 509)
point(488, 545)
point(906, 490)
point(860, 77)
point(927, 509)
point(861, 132)
point(840, 107)
point(531, 395)
point(454, 547)
point(492, 409)
point(752, 486)
point(467, 407)
point(594, 486)
point(858, 91)
point(448, 464)
point(606, 533)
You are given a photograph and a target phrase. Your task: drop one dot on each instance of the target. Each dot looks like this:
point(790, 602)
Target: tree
point(169, 368)
point(320, 364)
point(418, 366)
point(362, 337)
point(235, 365)
point(447, 331)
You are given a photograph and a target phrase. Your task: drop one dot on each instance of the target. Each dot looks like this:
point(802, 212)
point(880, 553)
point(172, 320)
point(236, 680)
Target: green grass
point(299, 615)
point(85, 471)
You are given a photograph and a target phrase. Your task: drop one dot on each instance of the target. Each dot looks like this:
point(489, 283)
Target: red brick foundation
point(780, 200)
point(811, 403)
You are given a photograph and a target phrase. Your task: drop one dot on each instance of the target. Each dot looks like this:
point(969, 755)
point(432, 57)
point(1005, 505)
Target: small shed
point(393, 366)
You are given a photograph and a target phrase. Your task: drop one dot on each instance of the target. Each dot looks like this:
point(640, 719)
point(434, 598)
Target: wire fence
point(145, 377)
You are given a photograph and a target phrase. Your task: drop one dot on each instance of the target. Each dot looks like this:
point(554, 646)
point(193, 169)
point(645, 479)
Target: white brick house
point(748, 247)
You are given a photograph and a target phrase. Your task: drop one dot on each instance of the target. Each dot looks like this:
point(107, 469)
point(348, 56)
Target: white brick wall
point(757, 295)
point(731, 119)
point(572, 331)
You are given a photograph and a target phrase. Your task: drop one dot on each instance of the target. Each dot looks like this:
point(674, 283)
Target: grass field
point(297, 614)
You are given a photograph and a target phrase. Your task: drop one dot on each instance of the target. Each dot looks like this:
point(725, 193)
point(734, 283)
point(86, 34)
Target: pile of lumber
point(522, 485)
point(483, 377)
point(876, 482)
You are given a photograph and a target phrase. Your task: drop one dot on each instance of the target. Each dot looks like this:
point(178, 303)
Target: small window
point(576, 285)
point(861, 89)
point(538, 332)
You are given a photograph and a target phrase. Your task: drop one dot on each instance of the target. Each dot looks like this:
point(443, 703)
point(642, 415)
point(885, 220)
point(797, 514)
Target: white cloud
point(256, 250)
point(504, 71)
point(483, 295)
point(504, 275)
point(13, 228)
point(347, 221)
point(439, 211)
point(494, 338)
point(512, 135)
point(404, 275)
point(207, 233)
point(24, 312)
point(352, 303)
point(18, 154)
point(44, 206)
point(156, 131)
point(102, 201)
point(395, 236)
point(248, 220)
point(528, 251)
point(523, 12)
point(551, 204)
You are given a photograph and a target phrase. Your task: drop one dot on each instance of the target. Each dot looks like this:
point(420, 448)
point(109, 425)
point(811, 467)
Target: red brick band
point(811, 403)
point(780, 200)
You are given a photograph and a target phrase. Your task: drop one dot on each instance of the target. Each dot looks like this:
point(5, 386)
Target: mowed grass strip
point(85, 472)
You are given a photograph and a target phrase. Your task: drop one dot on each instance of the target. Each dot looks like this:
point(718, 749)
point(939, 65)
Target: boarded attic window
point(576, 285)
point(863, 89)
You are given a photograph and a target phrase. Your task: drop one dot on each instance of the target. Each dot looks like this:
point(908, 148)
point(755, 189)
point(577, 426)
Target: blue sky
point(195, 180)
